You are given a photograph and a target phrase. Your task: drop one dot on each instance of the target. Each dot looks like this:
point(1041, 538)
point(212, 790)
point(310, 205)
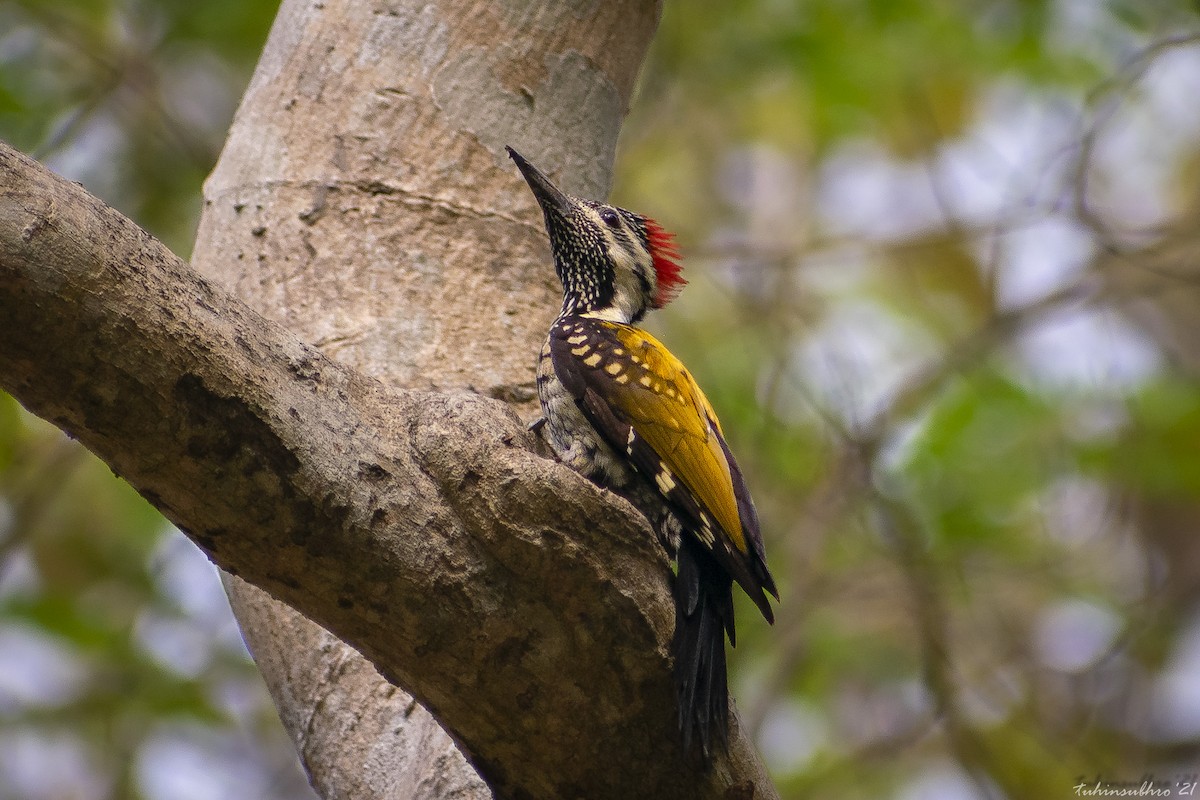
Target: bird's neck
point(573, 307)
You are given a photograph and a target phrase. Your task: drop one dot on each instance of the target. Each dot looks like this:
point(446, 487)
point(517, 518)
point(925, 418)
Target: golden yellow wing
point(645, 403)
point(667, 409)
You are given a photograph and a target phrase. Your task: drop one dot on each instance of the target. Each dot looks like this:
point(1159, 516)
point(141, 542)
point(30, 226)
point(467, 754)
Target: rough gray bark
point(523, 605)
point(361, 193)
point(363, 226)
point(358, 735)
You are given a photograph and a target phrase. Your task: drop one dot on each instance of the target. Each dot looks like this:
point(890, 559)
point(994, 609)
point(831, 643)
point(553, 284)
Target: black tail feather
point(703, 617)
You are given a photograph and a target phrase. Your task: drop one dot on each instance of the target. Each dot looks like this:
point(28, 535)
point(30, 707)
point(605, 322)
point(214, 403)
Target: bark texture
point(527, 608)
point(364, 202)
point(357, 734)
point(354, 202)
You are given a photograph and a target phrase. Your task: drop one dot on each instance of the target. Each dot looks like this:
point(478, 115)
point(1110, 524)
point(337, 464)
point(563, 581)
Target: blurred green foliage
point(108, 650)
point(977, 473)
point(133, 98)
point(977, 460)
point(90, 572)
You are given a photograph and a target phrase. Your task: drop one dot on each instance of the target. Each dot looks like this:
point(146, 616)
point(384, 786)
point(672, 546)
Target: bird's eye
point(610, 218)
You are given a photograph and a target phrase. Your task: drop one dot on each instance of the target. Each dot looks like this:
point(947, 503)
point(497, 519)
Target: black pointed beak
point(547, 194)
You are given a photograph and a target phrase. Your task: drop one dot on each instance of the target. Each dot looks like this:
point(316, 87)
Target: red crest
point(665, 254)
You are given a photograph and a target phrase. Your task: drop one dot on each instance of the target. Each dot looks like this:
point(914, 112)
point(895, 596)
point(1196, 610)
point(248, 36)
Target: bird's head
point(613, 264)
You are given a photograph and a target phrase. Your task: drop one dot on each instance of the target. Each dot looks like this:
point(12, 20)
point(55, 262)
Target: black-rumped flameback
point(619, 408)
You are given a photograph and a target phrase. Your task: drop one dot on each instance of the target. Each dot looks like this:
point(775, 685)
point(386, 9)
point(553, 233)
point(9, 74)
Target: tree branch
point(525, 607)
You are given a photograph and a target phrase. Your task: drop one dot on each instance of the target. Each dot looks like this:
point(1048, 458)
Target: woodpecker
point(618, 407)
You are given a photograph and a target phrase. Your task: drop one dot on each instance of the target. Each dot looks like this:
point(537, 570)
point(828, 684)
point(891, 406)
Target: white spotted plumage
point(622, 410)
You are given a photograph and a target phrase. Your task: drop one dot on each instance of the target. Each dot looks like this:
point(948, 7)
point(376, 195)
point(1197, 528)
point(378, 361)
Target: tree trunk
point(363, 201)
point(364, 229)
